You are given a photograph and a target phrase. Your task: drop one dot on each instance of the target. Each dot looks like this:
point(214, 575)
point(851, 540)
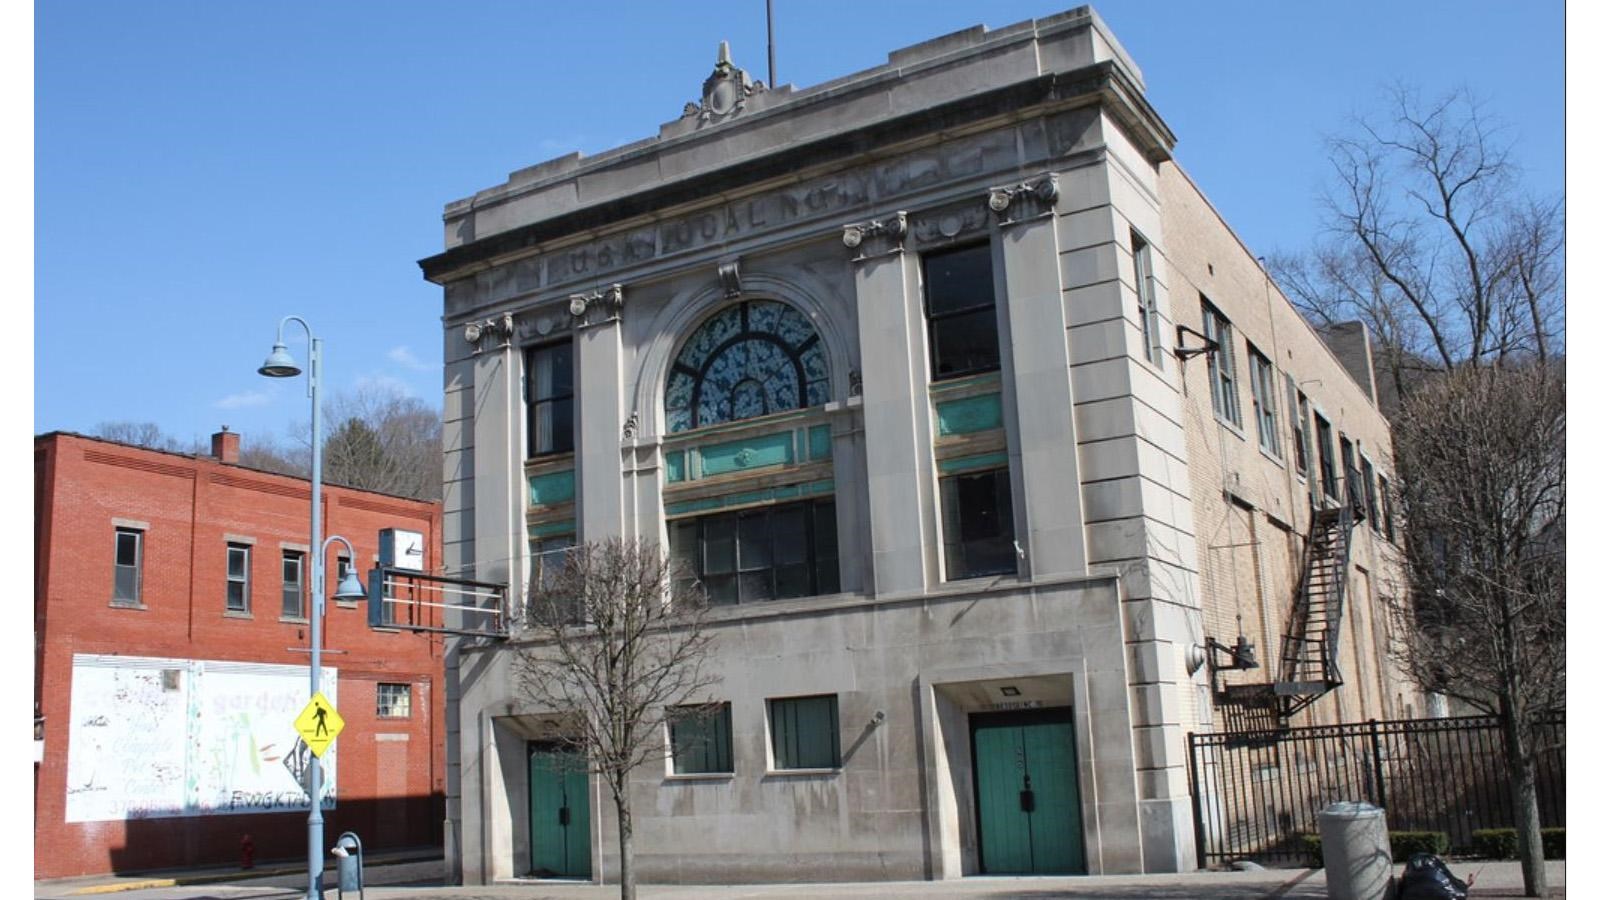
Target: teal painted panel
point(1002, 826)
point(1057, 817)
point(551, 488)
point(675, 469)
point(690, 506)
point(821, 441)
point(969, 463)
point(969, 414)
point(741, 456)
point(787, 492)
point(545, 529)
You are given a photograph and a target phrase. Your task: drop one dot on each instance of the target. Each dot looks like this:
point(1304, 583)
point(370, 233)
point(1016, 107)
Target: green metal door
point(1029, 820)
point(558, 808)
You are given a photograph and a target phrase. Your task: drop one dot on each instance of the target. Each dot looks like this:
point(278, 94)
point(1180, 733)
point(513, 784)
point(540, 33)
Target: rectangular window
point(294, 584)
point(340, 570)
point(239, 577)
point(1264, 388)
point(1351, 477)
point(1328, 462)
point(767, 553)
point(128, 568)
point(1223, 381)
point(804, 732)
point(1144, 284)
point(979, 531)
point(1300, 416)
point(394, 701)
point(1368, 489)
point(701, 738)
point(963, 332)
point(548, 557)
point(1387, 508)
point(550, 399)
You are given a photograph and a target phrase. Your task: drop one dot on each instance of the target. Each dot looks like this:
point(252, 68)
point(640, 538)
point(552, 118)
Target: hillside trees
point(375, 439)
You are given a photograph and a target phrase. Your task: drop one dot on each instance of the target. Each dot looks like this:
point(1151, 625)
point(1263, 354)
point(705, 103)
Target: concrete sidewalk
point(399, 878)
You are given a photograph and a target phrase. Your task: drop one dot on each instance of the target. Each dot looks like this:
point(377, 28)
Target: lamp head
point(350, 588)
point(279, 364)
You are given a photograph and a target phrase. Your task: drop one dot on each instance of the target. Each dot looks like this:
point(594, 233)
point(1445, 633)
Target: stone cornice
point(1103, 83)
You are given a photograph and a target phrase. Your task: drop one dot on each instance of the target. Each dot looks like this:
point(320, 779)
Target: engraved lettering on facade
point(876, 184)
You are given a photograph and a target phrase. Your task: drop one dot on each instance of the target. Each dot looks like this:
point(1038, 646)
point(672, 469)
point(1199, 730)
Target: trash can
point(348, 852)
point(1354, 851)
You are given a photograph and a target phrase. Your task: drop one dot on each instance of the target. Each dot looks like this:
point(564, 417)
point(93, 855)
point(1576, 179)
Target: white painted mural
point(153, 738)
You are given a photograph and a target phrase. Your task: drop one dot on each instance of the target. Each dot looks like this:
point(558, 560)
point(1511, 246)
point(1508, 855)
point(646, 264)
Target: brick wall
point(390, 771)
point(1251, 507)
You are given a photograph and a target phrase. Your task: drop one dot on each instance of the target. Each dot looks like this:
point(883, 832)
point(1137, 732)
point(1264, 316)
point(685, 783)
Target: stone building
point(990, 441)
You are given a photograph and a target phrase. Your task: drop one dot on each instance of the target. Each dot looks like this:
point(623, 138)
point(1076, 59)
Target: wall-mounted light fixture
point(1186, 350)
point(1240, 656)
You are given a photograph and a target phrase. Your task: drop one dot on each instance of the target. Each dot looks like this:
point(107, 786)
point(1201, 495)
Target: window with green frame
point(804, 732)
point(701, 738)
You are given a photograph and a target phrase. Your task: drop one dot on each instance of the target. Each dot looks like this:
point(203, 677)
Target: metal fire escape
point(1308, 666)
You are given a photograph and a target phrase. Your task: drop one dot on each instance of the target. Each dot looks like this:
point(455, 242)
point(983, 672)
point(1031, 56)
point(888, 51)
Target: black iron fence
point(1256, 794)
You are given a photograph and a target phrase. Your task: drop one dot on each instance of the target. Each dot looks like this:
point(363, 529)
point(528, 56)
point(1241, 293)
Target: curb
point(232, 875)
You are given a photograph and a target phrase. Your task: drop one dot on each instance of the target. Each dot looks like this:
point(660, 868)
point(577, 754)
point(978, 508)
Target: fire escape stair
point(1308, 666)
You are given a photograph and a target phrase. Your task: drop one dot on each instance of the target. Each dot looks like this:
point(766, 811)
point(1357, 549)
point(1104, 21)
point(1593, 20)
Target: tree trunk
point(624, 834)
point(1524, 798)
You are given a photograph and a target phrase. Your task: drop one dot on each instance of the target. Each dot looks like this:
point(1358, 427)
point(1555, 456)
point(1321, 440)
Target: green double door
point(1029, 818)
point(558, 809)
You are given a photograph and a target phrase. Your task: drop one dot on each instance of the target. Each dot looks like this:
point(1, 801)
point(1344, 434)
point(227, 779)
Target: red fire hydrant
point(247, 853)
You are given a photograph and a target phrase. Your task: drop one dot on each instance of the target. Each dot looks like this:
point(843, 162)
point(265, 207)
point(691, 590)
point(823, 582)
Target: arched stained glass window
point(753, 359)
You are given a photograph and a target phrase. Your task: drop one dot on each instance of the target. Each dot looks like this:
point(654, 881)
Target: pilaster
point(899, 488)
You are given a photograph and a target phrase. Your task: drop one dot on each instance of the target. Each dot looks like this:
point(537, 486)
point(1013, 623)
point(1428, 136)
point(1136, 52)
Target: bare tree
point(266, 453)
point(385, 441)
point(144, 434)
point(616, 646)
point(1481, 460)
point(1431, 241)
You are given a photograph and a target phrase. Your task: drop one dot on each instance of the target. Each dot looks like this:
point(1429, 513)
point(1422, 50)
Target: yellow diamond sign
point(318, 724)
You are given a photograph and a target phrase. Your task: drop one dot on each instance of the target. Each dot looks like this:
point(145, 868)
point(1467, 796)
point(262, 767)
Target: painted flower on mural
point(751, 359)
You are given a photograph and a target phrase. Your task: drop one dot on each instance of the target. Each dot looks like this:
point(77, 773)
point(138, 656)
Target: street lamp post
point(280, 365)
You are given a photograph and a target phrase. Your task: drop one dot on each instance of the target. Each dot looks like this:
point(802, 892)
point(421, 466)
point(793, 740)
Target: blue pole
point(318, 609)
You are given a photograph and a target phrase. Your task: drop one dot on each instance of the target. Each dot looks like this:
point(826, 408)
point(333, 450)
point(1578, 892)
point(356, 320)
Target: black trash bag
point(1427, 878)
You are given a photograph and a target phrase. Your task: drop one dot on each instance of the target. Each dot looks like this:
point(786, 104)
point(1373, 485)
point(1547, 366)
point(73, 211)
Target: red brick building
point(171, 603)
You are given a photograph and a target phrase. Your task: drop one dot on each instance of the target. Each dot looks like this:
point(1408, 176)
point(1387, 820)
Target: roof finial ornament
point(724, 92)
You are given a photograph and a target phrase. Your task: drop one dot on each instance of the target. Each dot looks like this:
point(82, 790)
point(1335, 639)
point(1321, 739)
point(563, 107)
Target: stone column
point(1043, 444)
point(899, 478)
point(600, 417)
point(497, 486)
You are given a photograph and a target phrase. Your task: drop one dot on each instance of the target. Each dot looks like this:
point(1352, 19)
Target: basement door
point(558, 809)
point(1029, 818)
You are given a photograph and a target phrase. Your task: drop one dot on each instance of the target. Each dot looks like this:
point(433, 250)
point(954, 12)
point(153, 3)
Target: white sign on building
point(157, 738)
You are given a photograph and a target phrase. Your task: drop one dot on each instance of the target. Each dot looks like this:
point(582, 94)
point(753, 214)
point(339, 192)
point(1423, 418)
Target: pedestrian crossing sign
point(318, 724)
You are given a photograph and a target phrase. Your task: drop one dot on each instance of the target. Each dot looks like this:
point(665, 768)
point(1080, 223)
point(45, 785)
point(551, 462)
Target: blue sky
point(202, 169)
